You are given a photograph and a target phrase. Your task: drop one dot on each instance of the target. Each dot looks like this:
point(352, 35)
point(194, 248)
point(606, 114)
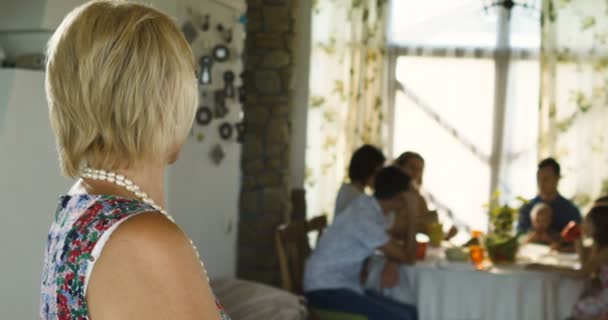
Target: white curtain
point(574, 95)
point(346, 105)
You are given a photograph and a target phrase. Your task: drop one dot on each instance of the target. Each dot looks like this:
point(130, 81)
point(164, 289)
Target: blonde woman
point(121, 88)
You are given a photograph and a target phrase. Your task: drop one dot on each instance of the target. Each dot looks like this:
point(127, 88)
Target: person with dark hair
point(332, 273)
point(564, 211)
point(593, 303)
point(364, 164)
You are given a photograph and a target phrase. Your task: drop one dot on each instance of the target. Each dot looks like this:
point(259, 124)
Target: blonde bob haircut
point(120, 83)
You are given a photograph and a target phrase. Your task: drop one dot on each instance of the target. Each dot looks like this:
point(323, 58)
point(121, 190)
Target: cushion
point(246, 300)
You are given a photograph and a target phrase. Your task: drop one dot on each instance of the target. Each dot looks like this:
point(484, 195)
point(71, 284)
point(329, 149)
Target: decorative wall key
point(205, 62)
point(220, 109)
point(206, 23)
point(229, 84)
point(228, 35)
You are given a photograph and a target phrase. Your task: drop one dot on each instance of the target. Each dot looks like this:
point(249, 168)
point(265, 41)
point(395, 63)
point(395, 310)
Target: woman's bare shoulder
point(148, 268)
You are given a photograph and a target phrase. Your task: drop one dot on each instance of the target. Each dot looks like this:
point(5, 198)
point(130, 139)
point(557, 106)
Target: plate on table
point(458, 266)
point(535, 253)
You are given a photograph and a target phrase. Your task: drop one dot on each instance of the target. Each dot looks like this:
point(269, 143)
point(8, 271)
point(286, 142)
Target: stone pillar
point(265, 195)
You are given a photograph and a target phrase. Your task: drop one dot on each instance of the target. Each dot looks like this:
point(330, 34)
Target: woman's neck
point(149, 178)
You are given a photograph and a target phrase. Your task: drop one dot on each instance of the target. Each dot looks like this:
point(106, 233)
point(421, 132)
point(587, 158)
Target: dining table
point(449, 290)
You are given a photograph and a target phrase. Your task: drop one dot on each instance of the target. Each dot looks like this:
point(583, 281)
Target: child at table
point(593, 303)
point(542, 216)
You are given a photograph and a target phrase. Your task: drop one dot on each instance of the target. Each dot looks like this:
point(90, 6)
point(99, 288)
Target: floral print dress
point(80, 222)
point(595, 305)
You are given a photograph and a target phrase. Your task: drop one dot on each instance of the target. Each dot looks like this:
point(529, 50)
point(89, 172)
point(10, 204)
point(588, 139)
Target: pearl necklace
point(122, 181)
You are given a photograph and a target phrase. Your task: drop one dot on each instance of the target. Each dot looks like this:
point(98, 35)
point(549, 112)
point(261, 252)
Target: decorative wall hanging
point(200, 137)
point(221, 53)
point(220, 109)
point(216, 34)
point(206, 62)
point(217, 154)
point(189, 31)
point(229, 84)
point(204, 116)
point(240, 132)
point(242, 95)
point(242, 19)
point(226, 131)
point(228, 35)
point(206, 23)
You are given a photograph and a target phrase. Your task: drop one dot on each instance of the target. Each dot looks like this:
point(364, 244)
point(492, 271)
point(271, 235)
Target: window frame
point(503, 56)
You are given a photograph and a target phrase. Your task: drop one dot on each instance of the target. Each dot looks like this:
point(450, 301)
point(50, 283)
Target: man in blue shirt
point(564, 211)
point(332, 273)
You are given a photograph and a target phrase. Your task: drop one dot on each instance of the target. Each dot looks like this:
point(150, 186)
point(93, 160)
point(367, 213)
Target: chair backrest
point(293, 249)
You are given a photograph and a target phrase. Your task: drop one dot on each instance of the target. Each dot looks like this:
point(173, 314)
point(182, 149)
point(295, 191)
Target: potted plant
point(501, 242)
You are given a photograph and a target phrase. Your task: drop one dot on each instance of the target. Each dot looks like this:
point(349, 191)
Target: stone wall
point(265, 195)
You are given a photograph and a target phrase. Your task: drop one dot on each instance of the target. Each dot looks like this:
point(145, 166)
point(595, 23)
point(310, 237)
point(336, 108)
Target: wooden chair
point(293, 248)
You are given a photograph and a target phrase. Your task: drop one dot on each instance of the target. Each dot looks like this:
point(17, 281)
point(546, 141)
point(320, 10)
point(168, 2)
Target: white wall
point(22, 14)
point(203, 196)
point(30, 185)
point(34, 15)
point(204, 200)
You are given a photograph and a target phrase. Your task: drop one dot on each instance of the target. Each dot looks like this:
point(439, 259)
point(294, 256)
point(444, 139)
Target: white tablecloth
point(454, 291)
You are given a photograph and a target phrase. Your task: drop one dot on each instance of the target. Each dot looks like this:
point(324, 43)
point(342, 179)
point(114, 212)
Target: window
point(465, 90)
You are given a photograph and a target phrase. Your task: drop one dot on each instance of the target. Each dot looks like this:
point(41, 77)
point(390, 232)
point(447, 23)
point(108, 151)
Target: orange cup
point(477, 255)
point(420, 250)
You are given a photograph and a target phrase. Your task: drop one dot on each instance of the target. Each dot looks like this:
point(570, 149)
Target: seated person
point(593, 303)
point(364, 164)
point(332, 273)
point(541, 221)
point(412, 164)
point(564, 211)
